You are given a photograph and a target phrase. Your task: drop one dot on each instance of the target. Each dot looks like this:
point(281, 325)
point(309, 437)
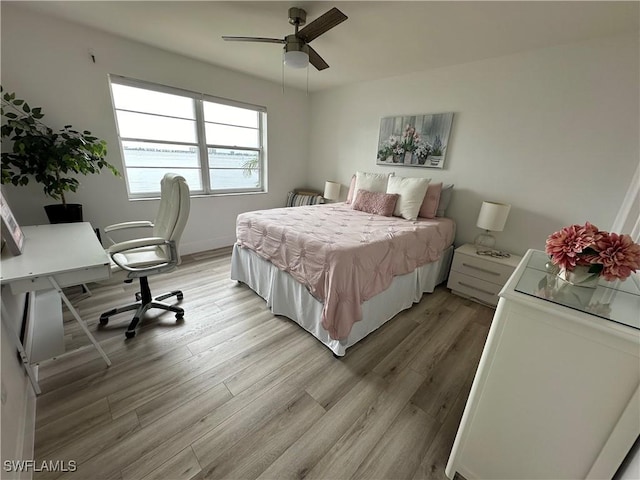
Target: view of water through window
point(229, 168)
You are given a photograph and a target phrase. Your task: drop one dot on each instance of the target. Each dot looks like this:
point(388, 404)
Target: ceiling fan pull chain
point(282, 64)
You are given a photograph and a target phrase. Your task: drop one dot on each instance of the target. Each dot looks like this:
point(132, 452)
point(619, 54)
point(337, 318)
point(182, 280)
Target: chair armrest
point(123, 225)
point(161, 267)
point(137, 243)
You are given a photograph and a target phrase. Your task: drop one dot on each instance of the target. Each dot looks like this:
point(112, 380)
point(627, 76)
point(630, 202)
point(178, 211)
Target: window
point(217, 145)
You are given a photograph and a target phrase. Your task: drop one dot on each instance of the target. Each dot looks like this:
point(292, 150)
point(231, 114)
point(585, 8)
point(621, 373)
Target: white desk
point(55, 256)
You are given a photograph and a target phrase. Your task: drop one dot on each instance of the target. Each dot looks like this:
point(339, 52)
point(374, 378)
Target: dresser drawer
point(477, 267)
point(468, 286)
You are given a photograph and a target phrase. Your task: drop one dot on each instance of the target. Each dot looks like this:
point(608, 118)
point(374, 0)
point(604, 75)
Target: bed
point(340, 273)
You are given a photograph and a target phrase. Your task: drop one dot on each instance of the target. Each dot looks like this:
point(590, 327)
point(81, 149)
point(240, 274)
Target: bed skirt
point(285, 296)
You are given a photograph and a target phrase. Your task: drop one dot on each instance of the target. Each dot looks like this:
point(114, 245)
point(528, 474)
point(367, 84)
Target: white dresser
point(556, 393)
point(479, 277)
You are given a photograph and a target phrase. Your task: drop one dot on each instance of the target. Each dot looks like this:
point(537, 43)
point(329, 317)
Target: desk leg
point(80, 321)
point(23, 356)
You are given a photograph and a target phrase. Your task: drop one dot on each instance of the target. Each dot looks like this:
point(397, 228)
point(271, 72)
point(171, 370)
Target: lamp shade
point(296, 59)
point(493, 216)
point(331, 190)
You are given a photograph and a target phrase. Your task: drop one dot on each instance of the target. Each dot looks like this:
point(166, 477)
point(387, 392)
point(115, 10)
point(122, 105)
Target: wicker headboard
point(297, 198)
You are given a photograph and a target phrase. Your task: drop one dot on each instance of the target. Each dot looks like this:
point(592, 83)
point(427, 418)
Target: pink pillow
point(352, 187)
point(375, 202)
point(431, 199)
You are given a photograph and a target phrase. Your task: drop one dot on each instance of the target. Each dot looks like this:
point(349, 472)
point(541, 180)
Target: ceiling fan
point(297, 52)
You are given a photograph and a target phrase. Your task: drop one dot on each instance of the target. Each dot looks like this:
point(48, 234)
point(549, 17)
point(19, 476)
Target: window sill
point(201, 195)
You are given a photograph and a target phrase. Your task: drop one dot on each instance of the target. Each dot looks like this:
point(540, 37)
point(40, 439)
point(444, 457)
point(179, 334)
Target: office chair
point(158, 254)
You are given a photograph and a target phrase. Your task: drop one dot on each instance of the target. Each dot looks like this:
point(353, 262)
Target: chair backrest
point(173, 212)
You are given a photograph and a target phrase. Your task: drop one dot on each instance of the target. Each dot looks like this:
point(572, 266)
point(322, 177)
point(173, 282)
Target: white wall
point(554, 132)
point(46, 62)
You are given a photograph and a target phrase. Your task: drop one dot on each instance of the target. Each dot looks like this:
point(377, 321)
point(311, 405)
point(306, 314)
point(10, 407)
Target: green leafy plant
point(51, 158)
point(250, 166)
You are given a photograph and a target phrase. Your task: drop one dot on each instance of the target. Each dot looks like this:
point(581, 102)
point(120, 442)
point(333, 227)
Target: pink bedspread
point(343, 256)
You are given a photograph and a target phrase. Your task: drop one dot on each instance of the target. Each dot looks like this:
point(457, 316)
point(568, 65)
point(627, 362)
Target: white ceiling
point(380, 39)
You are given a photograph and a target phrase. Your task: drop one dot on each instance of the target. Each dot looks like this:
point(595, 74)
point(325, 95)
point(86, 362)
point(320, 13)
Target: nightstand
point(479, 277)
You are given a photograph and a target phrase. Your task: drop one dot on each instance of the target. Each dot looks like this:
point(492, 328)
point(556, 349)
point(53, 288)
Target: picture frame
point(414, 140)
point(11, 231)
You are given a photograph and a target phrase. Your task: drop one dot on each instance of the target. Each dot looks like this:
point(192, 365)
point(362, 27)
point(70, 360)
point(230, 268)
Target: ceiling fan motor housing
point(295, 44)
point(296, 52)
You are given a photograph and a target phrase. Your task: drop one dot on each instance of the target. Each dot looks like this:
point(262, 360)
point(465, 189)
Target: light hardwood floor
point(235, 392)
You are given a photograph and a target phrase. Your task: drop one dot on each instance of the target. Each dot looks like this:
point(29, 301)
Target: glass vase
point(579, 276)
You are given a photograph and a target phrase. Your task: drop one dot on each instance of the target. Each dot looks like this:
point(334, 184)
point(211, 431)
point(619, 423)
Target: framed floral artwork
point(414, 140)
point(11, 231)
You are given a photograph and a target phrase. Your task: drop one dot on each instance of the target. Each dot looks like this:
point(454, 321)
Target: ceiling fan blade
point(321, 24)
point(253, 39)
point(316, 60)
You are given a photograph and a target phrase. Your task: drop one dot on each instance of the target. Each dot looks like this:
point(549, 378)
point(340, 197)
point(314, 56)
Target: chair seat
point(140, 257)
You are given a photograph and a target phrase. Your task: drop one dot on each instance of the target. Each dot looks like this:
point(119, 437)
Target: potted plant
point(435, 157)
point(51, 158)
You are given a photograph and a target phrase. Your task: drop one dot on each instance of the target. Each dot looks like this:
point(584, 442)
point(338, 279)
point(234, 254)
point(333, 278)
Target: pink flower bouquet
point(608, 255)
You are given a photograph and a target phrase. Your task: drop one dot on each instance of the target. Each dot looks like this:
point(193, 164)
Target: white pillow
point(411, 191)
point(372, 182)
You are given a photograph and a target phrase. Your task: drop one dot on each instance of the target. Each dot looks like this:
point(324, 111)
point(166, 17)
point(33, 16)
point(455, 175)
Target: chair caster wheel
point(129, 334)
point(179, 316)
point(180, 296)
point(104, 320)
point(138, 296)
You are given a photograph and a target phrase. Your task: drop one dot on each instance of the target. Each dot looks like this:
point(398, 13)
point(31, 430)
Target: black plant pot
point(59, 213)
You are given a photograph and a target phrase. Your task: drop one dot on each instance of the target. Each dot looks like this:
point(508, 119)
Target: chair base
point(144, 303)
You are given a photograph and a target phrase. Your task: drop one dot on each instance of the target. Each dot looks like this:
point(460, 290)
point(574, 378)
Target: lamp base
point(484, 241)
point(484, 244)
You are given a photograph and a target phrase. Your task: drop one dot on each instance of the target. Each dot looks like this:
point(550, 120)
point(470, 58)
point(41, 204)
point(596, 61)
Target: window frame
point(201, 144)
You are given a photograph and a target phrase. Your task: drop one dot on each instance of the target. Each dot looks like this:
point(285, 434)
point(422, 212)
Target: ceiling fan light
point(296, 59)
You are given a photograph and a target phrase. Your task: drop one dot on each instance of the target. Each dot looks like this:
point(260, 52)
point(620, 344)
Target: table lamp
point(331, 190)
point(492, 218)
